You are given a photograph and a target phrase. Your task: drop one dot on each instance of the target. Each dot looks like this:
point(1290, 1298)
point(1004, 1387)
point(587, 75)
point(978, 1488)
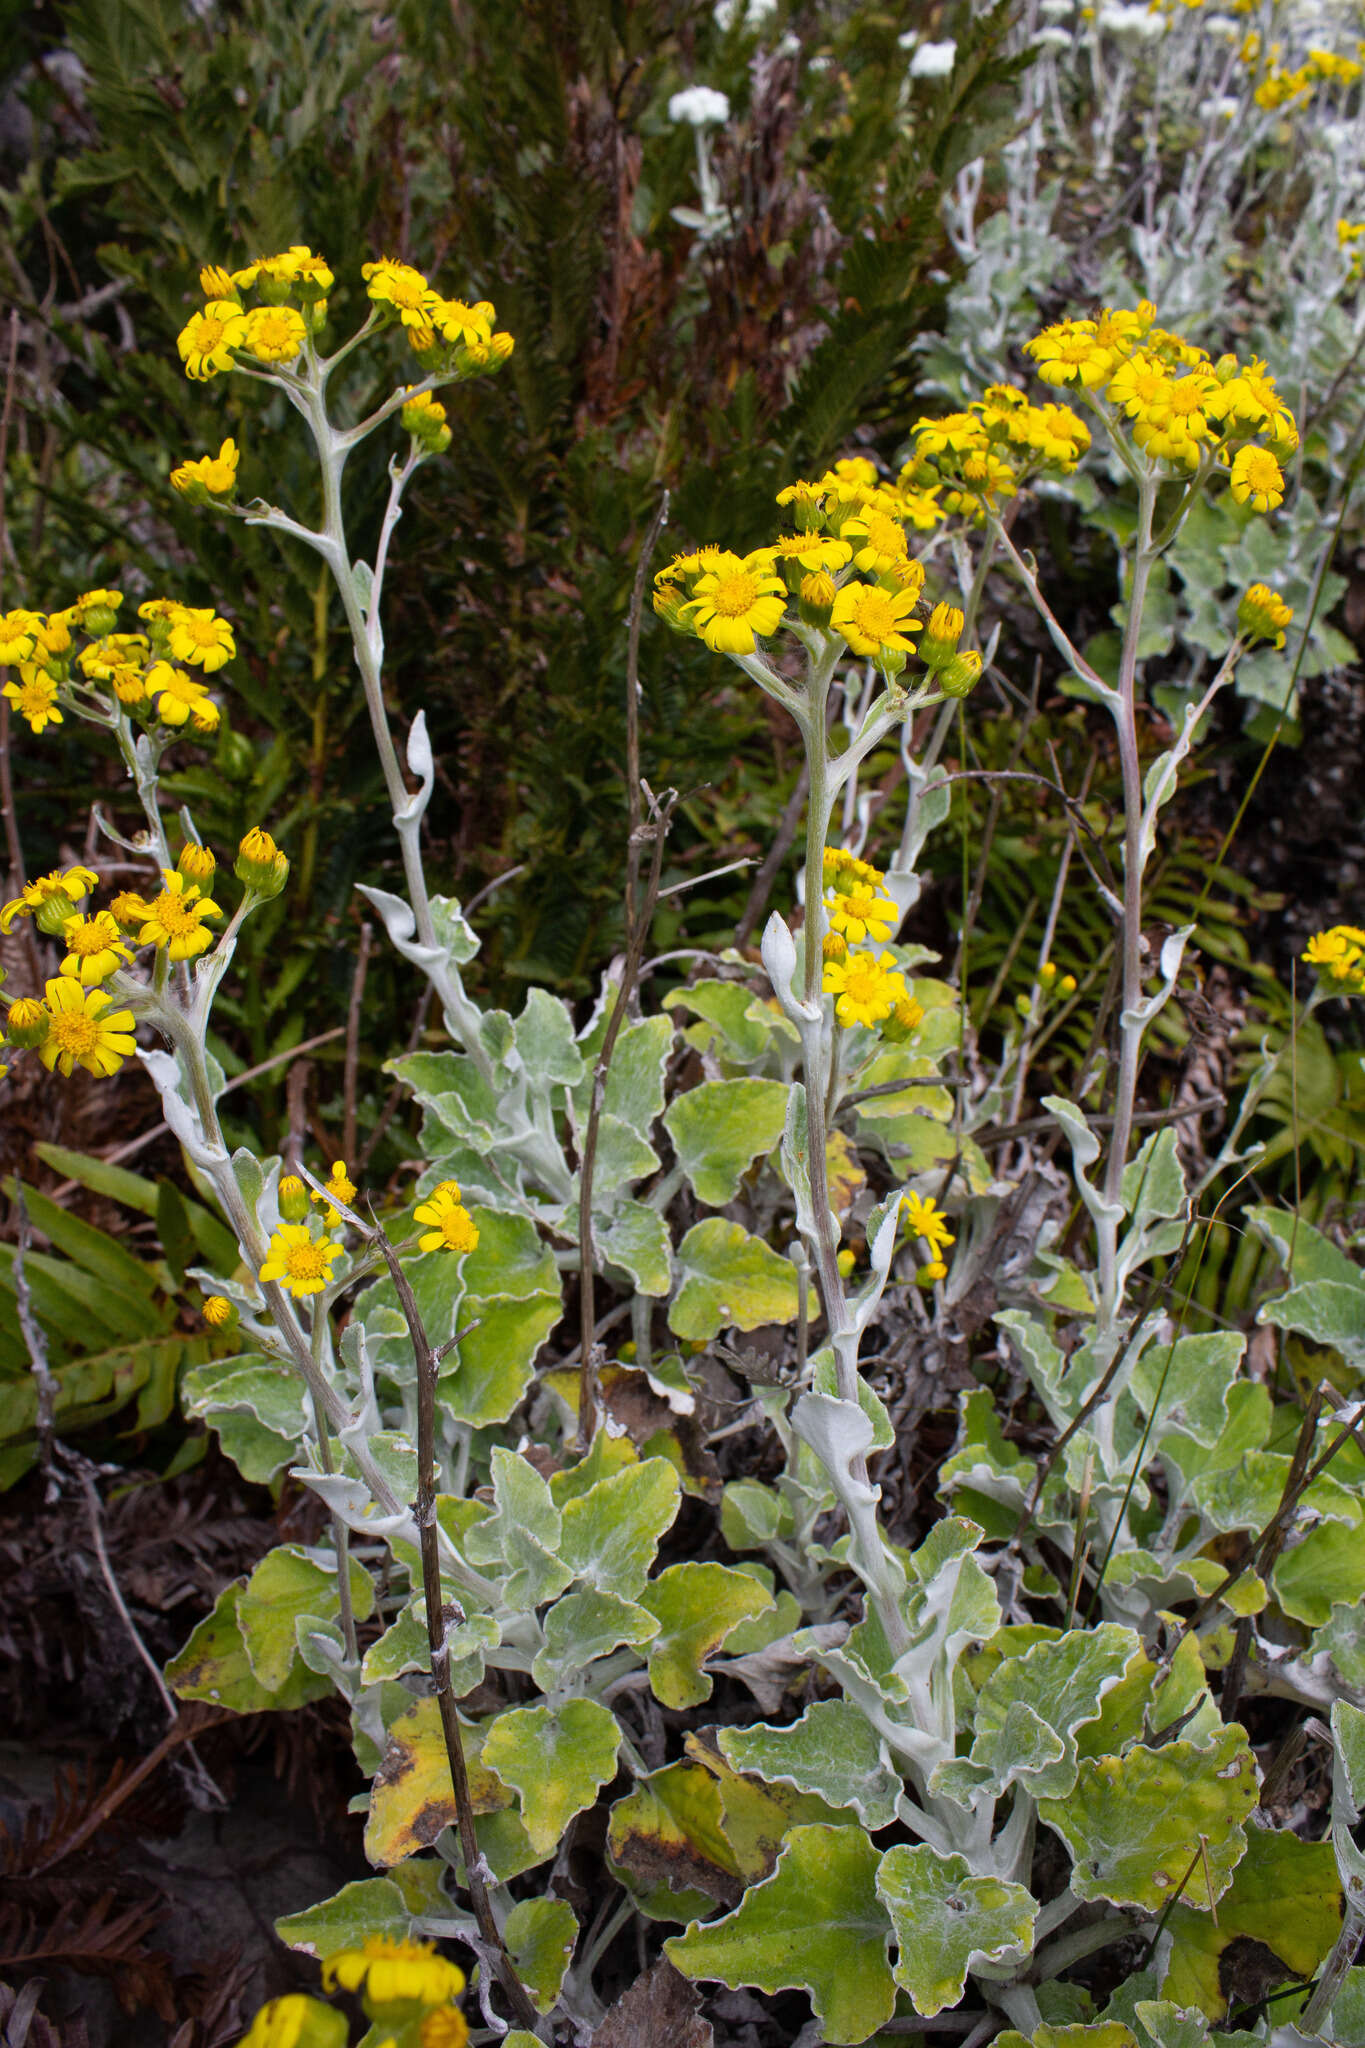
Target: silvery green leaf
point(1085, 1150)
point(779, 958)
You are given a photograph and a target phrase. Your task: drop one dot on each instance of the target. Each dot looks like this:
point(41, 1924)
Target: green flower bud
point(960, 676)
point(27, 1023)
point(260, 864)
point(293, 1198)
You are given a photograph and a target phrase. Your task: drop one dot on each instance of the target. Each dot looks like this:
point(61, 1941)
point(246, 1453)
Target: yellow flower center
point(74, 1032)
point(734, 595)
point(306, 1261)
point(210, 331)
point(884, 535)
point(87, 939)
point(174, 914)
point(1261, 470)
point(863, 981)
point(274, 329)
point(35, 697)
point(873, 614)
point(201, 632)
point(1186, 398)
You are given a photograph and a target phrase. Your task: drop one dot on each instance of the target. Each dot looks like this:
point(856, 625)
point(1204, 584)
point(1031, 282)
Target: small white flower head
point(747, 14)
point(699, 106)
point(1052, 39)
point(788, 45)
point(1224, 27)
point(933, 60)
point(1219, 108)
point(1055, 10)
point(1123, 19)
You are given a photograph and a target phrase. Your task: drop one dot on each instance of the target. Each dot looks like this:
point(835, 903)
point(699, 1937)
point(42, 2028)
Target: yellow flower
point(453, 1228)
point(872, 620)
point(1257, 479)
point(95, 947)
point(206, 343)
point(401, 287)
point(175, 918)
point(1071, 353)
point(393, 1972)
point(865, 989)
point(201, 638)
point(926, 1221)
point(273, 334)
point(295, 265)
point(177, 693)
point(862, 914)
point(1263, 614)
point(128, 908)
point(293, 1198)
point(1340, 953)
point(466, 326)
point(739, 601)
point(198, 864)
point(883, 538)
point(80, 1033)
point(71, 886)
point(128, 682)
point(18, 632)
point(953, 434)
point(443, 2029)
point(94, 609)
point(215, 282)
point(286, 2022)
point(811, 551)
point(216, 473)
point(217, 1312)
point(843, 870)
point(34, 697)
point(27, 1023)
point(425, 419)
point(53, 633)
point(302, 1264)
point(341, 1188)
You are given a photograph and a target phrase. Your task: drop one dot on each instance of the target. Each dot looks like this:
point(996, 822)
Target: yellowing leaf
point(1285, 1894)
point(696, 1606)
point(558, 1759)
point(730, 1279)
point(945, 1920)
point(412, 1799)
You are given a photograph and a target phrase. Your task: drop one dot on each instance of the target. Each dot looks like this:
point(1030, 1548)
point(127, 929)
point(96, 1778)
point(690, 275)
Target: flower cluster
point(986, 453)
point(1180, 406)
point(844, 565)
point(156, 675)
point(452, 1228)
point(228, 334)
point(449, 336)
point(1282, 85)
point(406, 1988)
point(925, 1221)
point(868, 986)
point(1339, 954)
point(74, 1025)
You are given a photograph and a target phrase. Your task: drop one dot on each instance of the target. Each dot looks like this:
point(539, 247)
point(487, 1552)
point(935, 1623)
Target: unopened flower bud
point(215, 283)
point(960, 676)
point(218, 1312)
point(197, 863)
point(260, 864)
point(27, 1023)
point(906, 1017)
point(935, 1270)
point(846, 1261)
point(1067, 985)
point(293, 1198)
point(1047, 972)
point(938, 643)
point(815, 598)
point(834, 946)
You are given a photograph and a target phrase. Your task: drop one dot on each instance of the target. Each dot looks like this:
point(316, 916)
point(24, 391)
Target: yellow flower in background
point(341, 1188)
point(95, 947)
point(810, 551)
point(737, 602)
point(72, 884)
point(300, 1262)
point(395, 1972)
point(273, 334)
point(443, 2029)
point(217, 1311)
point(875, 621)
point(465, 326)
point(18, 634)
point(453, 1229)
point(865, 989)
point(201, 638)
point(1257, 479)
point(34, 697)
point(175, 918)
point(215, 282)
point(217, 473)
point(207, 341)
point(83, 1031)
point(1340, 954)
point(861, 914)
point(926, 1221)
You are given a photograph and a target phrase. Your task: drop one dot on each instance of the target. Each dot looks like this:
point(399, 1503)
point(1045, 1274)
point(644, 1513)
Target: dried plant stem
point(351, 1067)
point(634, 843)
point(35, 1343)
point(523, 2012)
point(656, 829)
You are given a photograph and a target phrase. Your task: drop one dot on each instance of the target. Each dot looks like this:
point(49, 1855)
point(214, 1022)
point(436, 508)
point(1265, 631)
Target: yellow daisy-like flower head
point(83, 1031)
point(453, 1229)
point(1257, 479)
point(176, 691)
point(875, 621)
point(175, 918)
point(215, 282)
point(463, 325)
point(395, 1973)
point(201, 638)
point(95, 947)
point(95, 610)
point(926, 1221)
point(1340, 954)
point(218, 1312)
point(302, 1264)
point(1263, 615)
point(297, 2021)
point(53, 633)
point(207, 341)
point(812, 553)
point(883, 541)
point(18, 634)
point(806, 502)
point(215, 475)
point(736, 603)
point(1071, 353)
point(865, 989)
point(401, 288)
point(341, 1188)
point(273, 334)
point(862, 914)
point(50, 898)
point(128, 908)
point(34, 697)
